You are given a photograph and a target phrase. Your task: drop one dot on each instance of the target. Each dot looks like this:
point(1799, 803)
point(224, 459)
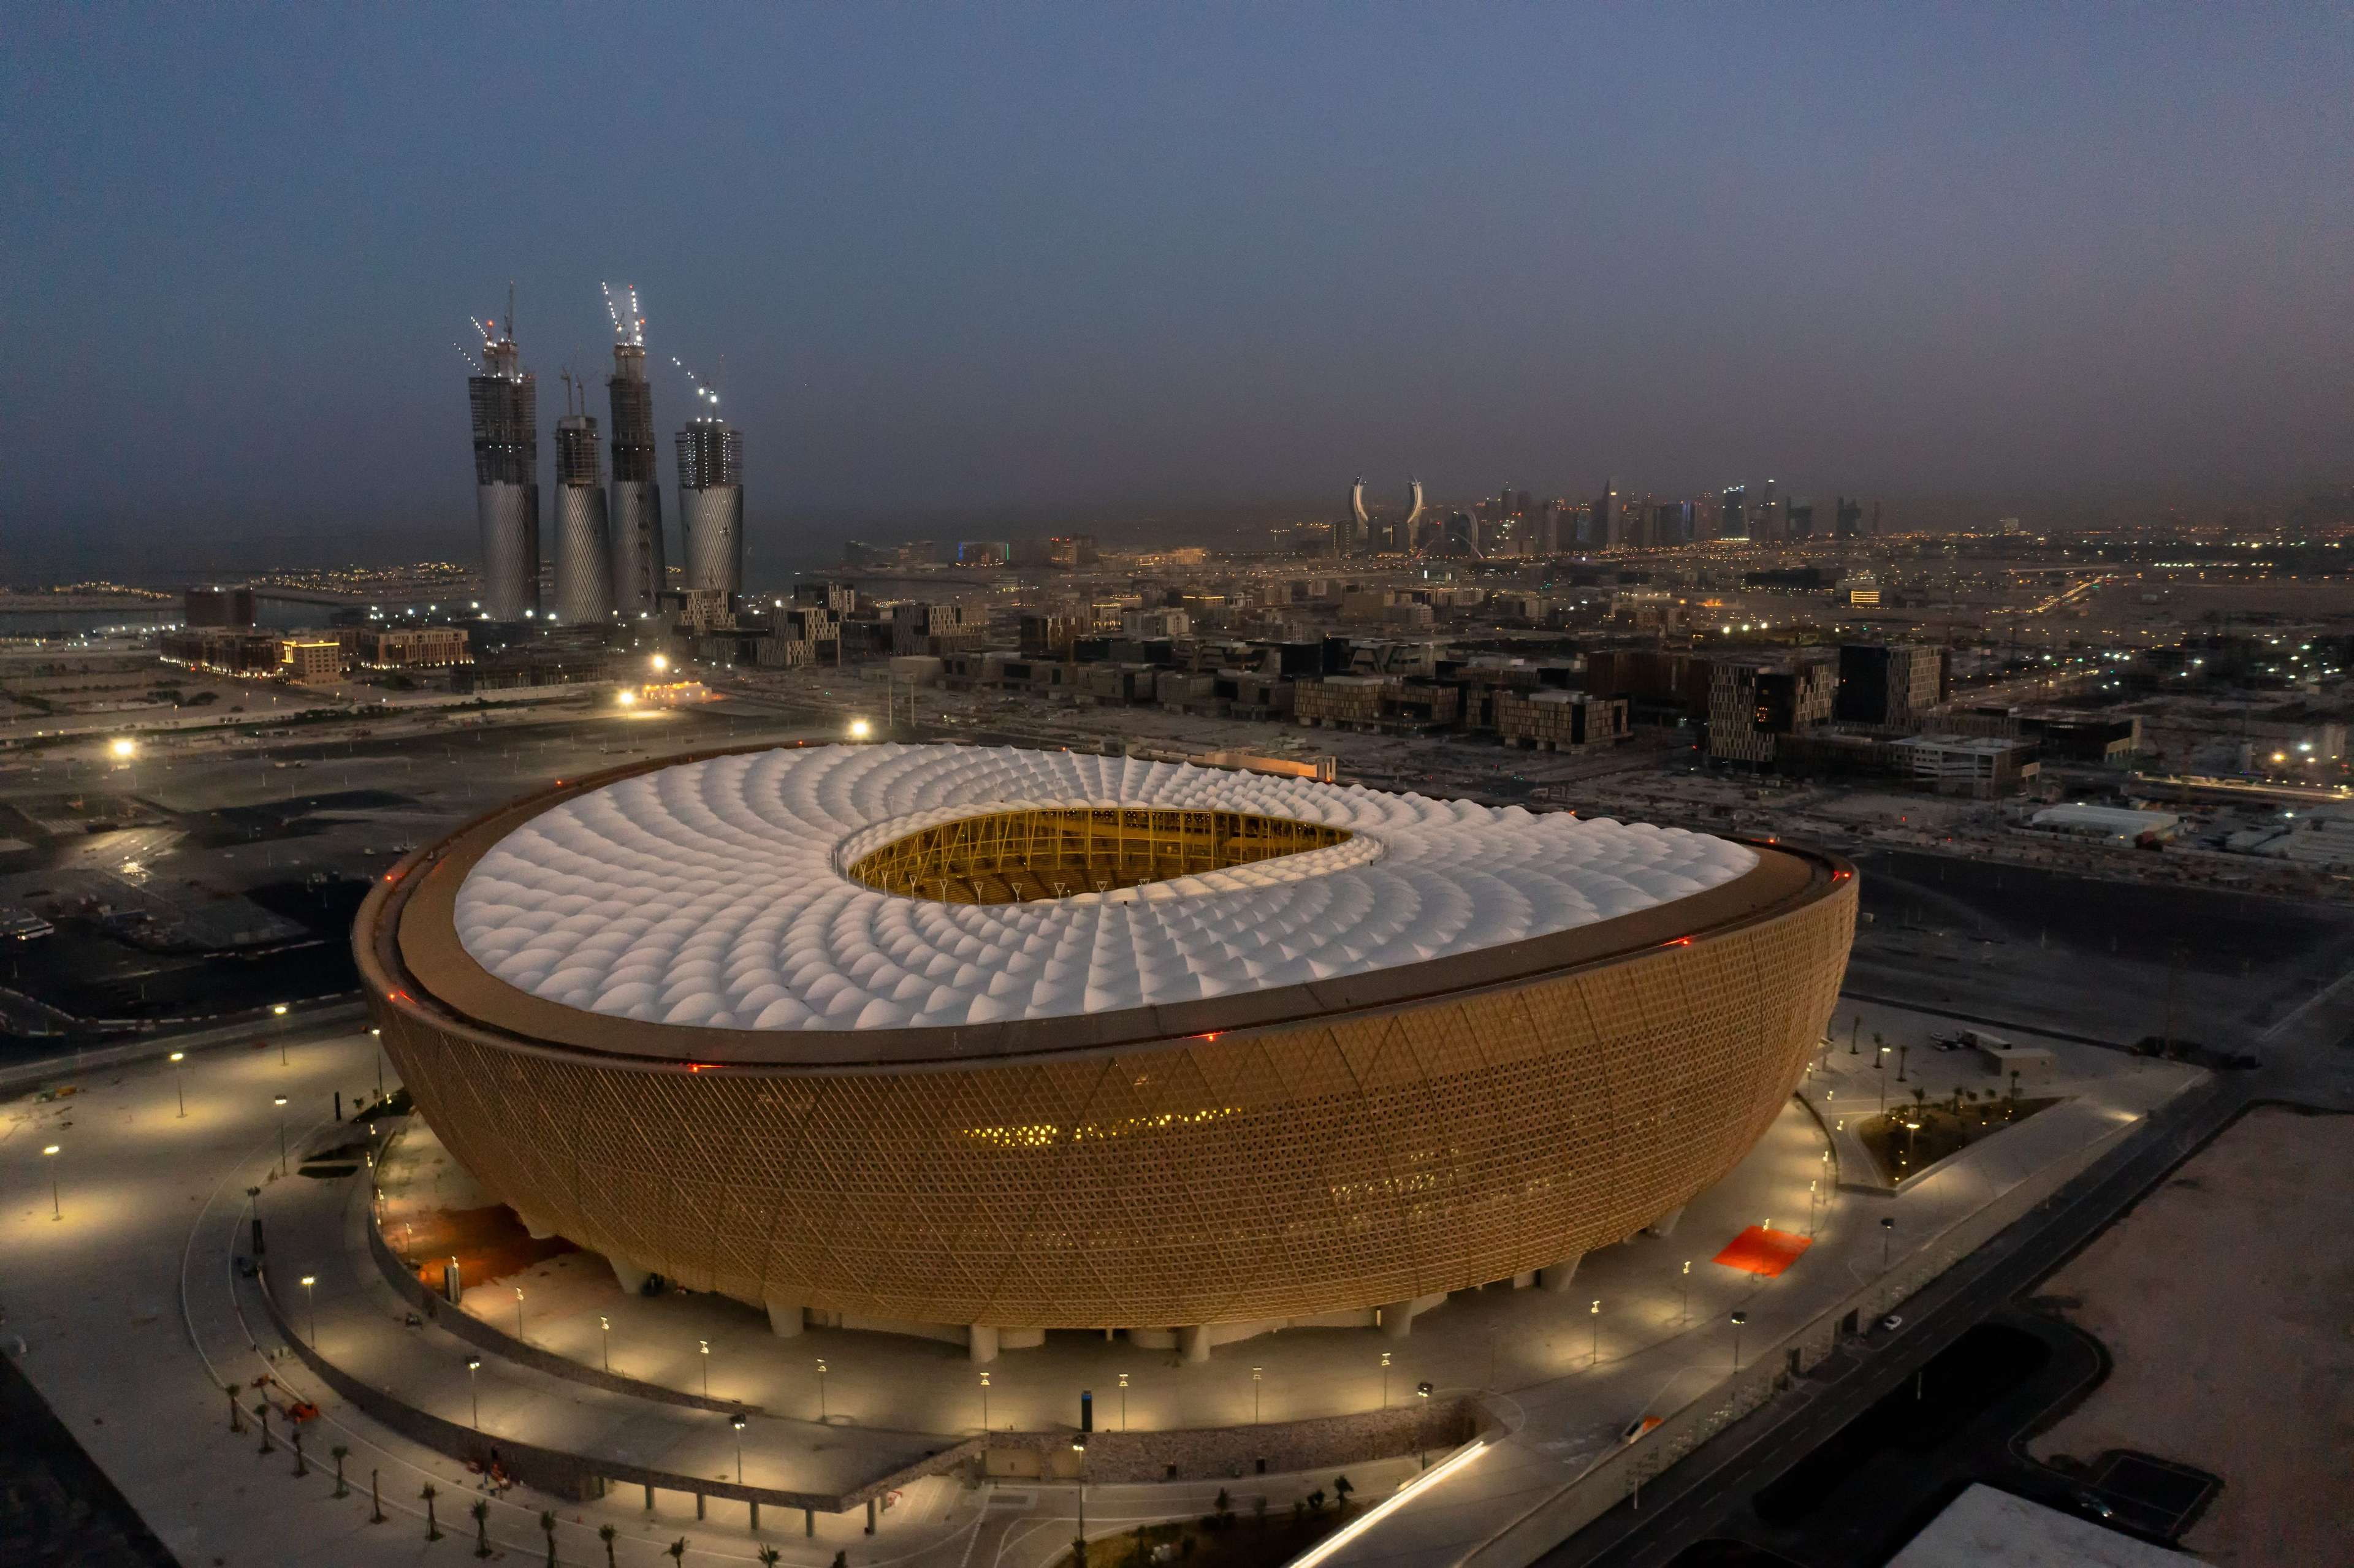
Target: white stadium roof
point(713, 893)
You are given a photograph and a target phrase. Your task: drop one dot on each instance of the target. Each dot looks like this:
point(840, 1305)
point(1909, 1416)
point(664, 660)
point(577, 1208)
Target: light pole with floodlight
point(820, 1391)
point(179, 1080)
point(738, 1423)
point(473, 1391)
point(310, 1300)
point(605, 1329)
point(57, 1207)
point(703, 1347)
point(280, 1103)
point(1254, 1388)
point(1739, 1318)
point(1123, 1401)
point(984, 1403)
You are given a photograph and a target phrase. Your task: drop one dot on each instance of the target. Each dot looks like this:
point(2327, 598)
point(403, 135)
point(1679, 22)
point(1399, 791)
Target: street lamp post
point(1594, 1322)
point(1422, 1455)
point(738, 1423)
point(1254, 1388)
point(984, 1403)
point(179, 1080)
point(310, 1300)
point(57, 1208)
point(278, 1010)
point(605, 1329)
point(281, 1134)
point(1887, 1229)
point(1123, 1401)
point(518, 1290)
point(1739, 1318)
point(1080, 1547)
point(473, 1390)
point(1683, 1314)
point(703, 1347)
point(820, 1391)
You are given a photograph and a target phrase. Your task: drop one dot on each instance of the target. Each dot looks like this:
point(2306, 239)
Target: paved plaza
point(134, 1316)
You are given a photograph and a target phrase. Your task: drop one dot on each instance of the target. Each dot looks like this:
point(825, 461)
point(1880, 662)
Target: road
point(2305, 1061)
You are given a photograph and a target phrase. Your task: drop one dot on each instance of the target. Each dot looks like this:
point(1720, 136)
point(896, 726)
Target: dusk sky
point(1004, 264)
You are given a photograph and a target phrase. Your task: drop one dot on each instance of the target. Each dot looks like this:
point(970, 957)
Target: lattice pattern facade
point(1367, 1155)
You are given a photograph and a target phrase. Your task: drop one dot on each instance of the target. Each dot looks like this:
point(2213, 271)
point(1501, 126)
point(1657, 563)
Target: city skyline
point(1066, 265)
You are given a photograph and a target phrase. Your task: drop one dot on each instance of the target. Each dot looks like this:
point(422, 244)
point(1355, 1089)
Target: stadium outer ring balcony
point(1340, 1153)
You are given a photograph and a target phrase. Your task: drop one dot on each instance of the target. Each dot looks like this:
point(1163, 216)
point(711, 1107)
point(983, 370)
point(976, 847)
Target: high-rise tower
point(637, 519)
point(584, 543)
point(504, 401)
point(711, 504)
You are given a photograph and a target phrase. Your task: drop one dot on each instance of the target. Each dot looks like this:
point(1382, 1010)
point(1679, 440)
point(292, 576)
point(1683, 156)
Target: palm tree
point(606, 1532)
point(676, 1550)
point(341, 1451)
point(261, 1409)
point(547, 1525)
point(432, 1528)
point(482, 1511)
point(236, 1413)
point(770, 1557)
point(1341, 1490)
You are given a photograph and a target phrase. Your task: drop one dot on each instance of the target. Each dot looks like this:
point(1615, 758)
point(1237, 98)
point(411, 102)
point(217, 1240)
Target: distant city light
point(126, 748)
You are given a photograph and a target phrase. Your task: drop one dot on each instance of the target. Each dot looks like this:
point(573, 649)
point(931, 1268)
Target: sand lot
point(2227, 1300)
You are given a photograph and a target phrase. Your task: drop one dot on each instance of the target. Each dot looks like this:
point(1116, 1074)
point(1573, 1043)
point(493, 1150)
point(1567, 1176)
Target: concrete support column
point(870, 1516)
point(700, 1504)
point(1194, 1342)
point(756, 1517)
point(650, 1496)
point(784, 1319)
point(1020, 1339)
point(533, 1227)
point(808, 1523)
point(980, 1343)
point(630, 1277)
point(1523, 1281)
point(1397, 1320)
point(1665, 1225)
point(1555, 1276)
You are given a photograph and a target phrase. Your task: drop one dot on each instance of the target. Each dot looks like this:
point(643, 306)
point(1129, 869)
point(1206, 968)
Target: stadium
point(977, 1042)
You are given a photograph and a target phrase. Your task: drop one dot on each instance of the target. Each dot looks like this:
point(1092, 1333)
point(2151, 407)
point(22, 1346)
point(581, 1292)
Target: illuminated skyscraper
point(711, 504)
point(505, 402)
point(584, 543)
point(637, 519)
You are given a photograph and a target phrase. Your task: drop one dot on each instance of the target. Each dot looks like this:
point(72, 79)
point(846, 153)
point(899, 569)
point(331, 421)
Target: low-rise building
point(413, 647)
point(308, 657)
point(1554, 720)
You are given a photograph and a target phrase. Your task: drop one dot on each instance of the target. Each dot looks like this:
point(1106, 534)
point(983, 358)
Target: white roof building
point(713, 893)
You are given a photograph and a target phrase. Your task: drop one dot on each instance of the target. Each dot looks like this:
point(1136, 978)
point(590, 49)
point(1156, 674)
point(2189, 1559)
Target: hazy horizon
point(986, 273)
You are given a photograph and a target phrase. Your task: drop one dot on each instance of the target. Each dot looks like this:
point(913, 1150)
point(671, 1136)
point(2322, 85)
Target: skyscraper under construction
point(711, 504)
point(505, 405)
point(584, 544)
point(637, 494)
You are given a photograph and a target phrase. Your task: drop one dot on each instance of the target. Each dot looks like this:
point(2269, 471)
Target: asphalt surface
point(1685, 1504)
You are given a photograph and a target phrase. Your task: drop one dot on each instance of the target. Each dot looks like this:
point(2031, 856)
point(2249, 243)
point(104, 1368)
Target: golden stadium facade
point(955, 1035)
